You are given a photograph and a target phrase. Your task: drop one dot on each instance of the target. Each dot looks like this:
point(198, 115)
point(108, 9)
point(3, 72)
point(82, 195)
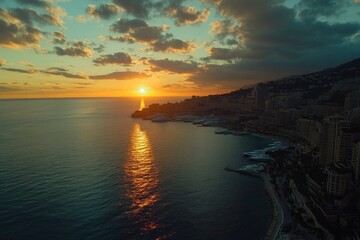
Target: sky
point(104, 48)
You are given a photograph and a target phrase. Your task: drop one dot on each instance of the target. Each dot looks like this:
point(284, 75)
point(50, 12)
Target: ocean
point(83, 169)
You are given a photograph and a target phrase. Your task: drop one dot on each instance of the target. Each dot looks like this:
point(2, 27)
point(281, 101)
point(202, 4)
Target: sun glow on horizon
point(142, 91)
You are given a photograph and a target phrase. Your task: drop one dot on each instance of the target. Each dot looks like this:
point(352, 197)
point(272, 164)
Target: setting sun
point(142, 90)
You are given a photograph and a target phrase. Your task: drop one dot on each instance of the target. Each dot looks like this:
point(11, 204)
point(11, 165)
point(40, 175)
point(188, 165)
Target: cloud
point(174, 66)
point(225, 53)
point(30, 17)
point(134, 7)
point(266, 28)
point(81, 18)
point(27, 71)
point(119, 58)
point(52, 71)
point(248, 71)
point(315, 8)
point(2, 62)
point(57, 69)
point(83, 83)
point(126, 25)
point(62, 72)
point(36, 3)
point(185, 15)
point(225, 29)
point(16, 35)
point(103, 11)
point(147, 34)
point(18, 25)
point(57, 13)
point(127, 75)
point(28, 64)
point(100, 48)
point(172, 46)
point(174, 86)
point(59, 38)
point(121, 39)
point(7, 89)
point(156, 38)
point(74, 49)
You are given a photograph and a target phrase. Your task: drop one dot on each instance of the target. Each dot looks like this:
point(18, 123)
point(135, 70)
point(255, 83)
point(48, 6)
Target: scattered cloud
point(118, 58)
point(100, 48)
point(19, 27)
point(156, 38)
point(52, 71)
point(249, 41)
point(81, 18)
point(225, 53)
point(124, 25)
point(226, 29)
point(136, 8)
point(186, 15)
point(59, 38)
point(28, 71)
point(14, 34)
point(74, 49)
point(57, 13)
point(175, 66)
point(83, 83)
point(104, 11)
point(173, 46)
point(127, 75)
point(30, 16)
point(174, 86)
point(314, 8)
point(63, 72)
point(28, 64)
point(36, 3)
point(8, 89)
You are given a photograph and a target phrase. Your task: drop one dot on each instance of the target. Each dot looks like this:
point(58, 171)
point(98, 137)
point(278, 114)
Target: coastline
point(277, 218)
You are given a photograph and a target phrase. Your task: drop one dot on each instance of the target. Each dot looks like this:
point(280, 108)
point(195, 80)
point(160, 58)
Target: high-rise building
point(329, 138)
point(344, 146)
point(309, 130)
point(260, 96)
point(338, 181)
point(356, 162)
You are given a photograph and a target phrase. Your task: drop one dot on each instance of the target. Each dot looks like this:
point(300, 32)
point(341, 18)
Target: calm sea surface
point(83, 169)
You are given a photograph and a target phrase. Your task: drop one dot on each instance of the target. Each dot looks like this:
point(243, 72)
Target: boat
point(160, 118)
point(198, 121)
point(223, 131)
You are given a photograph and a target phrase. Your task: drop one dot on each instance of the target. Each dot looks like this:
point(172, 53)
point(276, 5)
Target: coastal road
point(278, 214)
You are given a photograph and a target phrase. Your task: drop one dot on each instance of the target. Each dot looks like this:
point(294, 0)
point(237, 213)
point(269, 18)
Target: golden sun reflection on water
point(142, 104)
point(142, 179)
